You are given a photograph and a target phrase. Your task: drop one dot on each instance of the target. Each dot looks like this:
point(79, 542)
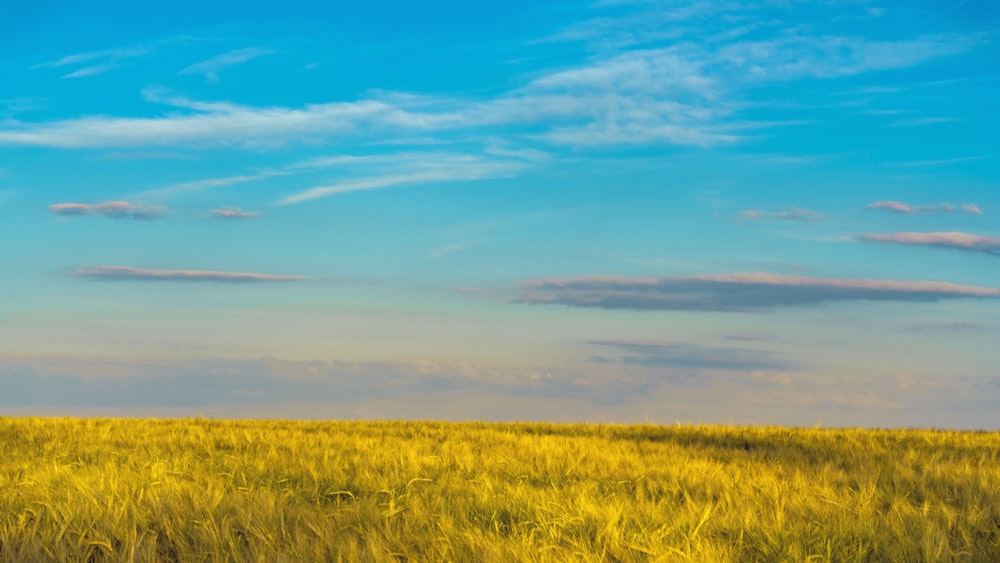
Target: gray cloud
point(908, 209)
point(793, 214)
point(126, 273)
point(609, 392)
point(234, 213)
point(959, 326)
point(216, 382)
point(109, 209)
point(952, 240)
point(733, 292)
point(694, 357)
point(748, 336)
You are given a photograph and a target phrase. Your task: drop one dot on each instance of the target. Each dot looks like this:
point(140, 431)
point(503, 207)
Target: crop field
point(207, 490)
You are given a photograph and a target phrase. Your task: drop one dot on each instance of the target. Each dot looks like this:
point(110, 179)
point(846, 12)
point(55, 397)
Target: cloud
point(208, 184)
point(109, 209)
point(733, 292)
point(97, 62)
point(126, 273)
point(793, 214)
point(234, 213)
point(960, 326)
point(92, 70)
point(648, 88)
point(952, 240)
point(748, 336)
point(210, 68)
point(692, 356)
point(920, 122)
point(214, 124)
point(419, 390)
point(908, 209)
point(450, 168)
point(940, 162)
point(799, 55)
point(273, 381)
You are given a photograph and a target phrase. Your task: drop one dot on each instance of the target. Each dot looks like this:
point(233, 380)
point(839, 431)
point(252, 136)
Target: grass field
point(205, 490)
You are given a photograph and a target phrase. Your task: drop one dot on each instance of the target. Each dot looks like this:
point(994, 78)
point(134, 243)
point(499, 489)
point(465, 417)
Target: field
point(206, 490)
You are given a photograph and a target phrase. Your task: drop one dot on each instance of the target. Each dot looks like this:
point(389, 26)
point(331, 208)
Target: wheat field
point(214, 490)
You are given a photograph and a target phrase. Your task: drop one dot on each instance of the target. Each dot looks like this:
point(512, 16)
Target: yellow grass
point(205, 490)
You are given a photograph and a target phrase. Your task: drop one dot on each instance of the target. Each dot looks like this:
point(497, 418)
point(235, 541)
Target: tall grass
point(206, 490)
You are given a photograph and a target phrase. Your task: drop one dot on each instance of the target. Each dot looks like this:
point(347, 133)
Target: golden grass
point(206, 490)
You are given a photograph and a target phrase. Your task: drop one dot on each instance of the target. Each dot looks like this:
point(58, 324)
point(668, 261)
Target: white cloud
point(449, 169)
point(92, 70)
point(210, 68)
point(207, 184)
point(683, 93)
point(128, 273)
point(94, 62)
point(920, 121)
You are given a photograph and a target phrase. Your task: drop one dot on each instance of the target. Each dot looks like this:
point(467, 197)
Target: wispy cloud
point(109, 209)
point(126, 273)
point(799, 55)
point(908, 209)
point(208, 184)
point(733, 292)
point(748, 336)
point(267, 380)
point(693, 356)
point(793, 214)
point(939, 161)
point(920, 121)
point(10, 106)
point(442, 168)
point(92, 70)
point(210, 68)
point(956, 326)
point(209, 123)
point(94, 62)
point(234, 213)
point(952, 240)
point(656, 80)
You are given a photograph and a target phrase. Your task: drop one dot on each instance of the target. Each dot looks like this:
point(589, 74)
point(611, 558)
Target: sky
point(780, 212)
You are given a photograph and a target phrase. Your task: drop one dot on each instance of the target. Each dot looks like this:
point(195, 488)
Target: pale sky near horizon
point(779, 212)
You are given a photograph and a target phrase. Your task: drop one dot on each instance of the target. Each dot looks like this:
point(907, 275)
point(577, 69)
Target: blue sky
point(740, 212)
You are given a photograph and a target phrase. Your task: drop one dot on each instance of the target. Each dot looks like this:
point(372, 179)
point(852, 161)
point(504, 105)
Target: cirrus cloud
point(953, 240)
point(909, 209)
point(234, 213)
point(692, 356)
point(733, 292)
point(127, 273)
point(210, 68)
point(109, 209)
point(793, 214)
